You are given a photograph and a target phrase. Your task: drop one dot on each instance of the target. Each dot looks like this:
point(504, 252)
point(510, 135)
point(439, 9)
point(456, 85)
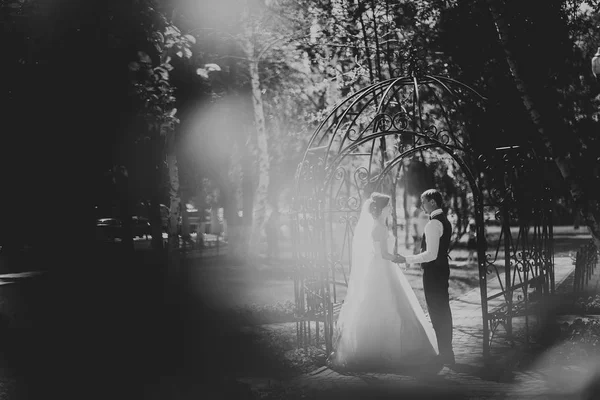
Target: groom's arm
point(433, 233)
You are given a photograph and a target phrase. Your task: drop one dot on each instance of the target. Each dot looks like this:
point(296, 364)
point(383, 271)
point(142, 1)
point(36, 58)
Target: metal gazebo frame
point(362, 146)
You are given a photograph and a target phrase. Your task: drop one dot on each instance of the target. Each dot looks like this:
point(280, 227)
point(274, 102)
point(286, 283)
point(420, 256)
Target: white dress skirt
point(381, 324)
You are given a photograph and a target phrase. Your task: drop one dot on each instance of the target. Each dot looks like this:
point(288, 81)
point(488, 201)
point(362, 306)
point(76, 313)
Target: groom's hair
point(435, 195)
point(378, 203)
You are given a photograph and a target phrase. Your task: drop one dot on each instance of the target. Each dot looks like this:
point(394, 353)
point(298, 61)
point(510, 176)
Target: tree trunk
point(459, 214)
point(229, 214)
point(185, 218)
point(155, 222)
point(155, 201)
point(590, 210)
point(174, 193)
point(247, 204)
point(121, 179)
point(261, 192)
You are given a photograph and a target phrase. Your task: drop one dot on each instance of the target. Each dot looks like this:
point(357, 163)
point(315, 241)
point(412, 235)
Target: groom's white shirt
point(433, 233)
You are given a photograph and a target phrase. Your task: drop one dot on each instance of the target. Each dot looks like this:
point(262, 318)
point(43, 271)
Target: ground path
point(470, 378)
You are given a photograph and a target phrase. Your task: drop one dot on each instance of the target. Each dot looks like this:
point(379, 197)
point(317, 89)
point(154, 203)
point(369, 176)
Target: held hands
point(399, 259)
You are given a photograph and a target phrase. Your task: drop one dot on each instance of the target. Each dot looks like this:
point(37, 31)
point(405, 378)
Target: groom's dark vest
point(441, 262)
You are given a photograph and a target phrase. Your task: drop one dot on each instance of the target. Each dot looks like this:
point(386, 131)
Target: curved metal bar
point(452, 93)
point(351, 123)
point(360, 95)
point(444, 114)
point(378, 86)
point(331, 116)
point(340, 174)
point(417, 102)
point(349, 99)
point(374, 136)
point(392, 85)
point(363, 95)
point(360, 142)
point(445, 78)
point(448, 150)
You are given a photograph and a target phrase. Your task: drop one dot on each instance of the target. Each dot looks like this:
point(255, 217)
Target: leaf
point(133, 66)
point(145, 58)
point(202, 72)
point(158, 37)
point(169, 43)
point(190, 38)
point(166, 59)
point(170, 30)
point(179, 54)
point(164, 74)
point(187, 52)
point(212, 67)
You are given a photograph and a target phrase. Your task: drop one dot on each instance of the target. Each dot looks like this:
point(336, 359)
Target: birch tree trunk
point(590, 209)
point(260, 194)
point(248, 179)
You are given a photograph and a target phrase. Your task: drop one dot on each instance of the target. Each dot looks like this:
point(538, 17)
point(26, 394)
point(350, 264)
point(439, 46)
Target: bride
point(381, 323)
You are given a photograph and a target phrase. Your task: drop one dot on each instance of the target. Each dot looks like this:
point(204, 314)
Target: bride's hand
point(399, 259)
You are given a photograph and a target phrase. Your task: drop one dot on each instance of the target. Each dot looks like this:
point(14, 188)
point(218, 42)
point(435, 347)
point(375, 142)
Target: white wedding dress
point(381, 323)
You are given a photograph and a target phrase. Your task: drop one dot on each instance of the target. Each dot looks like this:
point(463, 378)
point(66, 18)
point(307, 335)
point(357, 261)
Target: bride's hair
point(378, 202)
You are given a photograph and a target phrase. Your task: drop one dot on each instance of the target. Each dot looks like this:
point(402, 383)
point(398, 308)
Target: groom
point(436, 271)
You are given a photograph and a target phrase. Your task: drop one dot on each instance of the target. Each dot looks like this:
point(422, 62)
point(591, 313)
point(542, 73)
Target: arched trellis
point(362, 146)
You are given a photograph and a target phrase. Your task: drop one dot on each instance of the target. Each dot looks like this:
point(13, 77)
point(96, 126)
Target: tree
point(551, 130)
point(249, 41)
point(156, 103)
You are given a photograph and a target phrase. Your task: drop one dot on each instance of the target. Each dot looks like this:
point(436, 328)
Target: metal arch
point(316, 207)
point(360, 95)
point(356, 96)
point(348, 150)
point(374, 88)
point(461, 84)
point(389, 88)
point(447, 149)
point(331, 115)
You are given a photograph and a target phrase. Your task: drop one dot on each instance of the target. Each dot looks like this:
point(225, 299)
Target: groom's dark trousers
point(435, 285)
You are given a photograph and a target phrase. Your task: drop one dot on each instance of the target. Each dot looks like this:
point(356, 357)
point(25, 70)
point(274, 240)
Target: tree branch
point(289, 38)
point(234, 57)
